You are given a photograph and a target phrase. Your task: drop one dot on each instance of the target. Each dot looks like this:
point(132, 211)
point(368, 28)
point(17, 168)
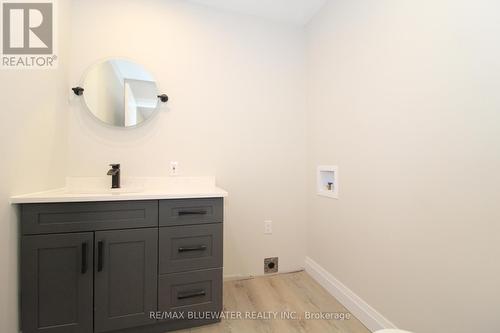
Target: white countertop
point(97, 189)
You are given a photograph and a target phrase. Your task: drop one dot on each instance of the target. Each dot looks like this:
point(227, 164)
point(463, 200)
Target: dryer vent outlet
point(271, 265)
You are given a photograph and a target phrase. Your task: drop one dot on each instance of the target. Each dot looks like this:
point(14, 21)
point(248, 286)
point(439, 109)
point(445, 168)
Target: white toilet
point(392, 331)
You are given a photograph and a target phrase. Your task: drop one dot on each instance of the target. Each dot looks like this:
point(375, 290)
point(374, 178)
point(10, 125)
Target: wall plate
point(328, 181)
point(271, 265)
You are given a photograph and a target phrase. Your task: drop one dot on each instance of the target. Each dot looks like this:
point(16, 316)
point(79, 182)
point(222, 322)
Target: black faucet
point(115, 173)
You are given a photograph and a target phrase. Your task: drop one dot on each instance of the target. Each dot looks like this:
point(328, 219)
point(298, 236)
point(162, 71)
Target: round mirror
point(120, 93)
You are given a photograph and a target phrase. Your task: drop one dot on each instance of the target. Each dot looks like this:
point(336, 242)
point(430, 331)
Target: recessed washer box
point(328, 181)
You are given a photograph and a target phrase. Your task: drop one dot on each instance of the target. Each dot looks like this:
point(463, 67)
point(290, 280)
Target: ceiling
point(291, 11)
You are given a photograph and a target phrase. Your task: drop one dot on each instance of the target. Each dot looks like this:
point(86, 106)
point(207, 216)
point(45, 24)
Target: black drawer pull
point(191, 294)
point(192, 212)
point(84, 257)
point(100, 256)
point(193, 249)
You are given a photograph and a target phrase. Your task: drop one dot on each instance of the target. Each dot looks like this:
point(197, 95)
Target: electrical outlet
point(271, 265)
point(174, 168)
point(268, 227)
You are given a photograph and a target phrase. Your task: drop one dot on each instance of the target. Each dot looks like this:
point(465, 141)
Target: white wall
point(33, 122)
point(404, 97)
point(237, 111)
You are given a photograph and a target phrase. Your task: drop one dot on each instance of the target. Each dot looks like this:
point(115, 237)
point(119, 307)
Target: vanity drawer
point(197, 291)
point(190, 211)
point(193, 247)
point(88, 216)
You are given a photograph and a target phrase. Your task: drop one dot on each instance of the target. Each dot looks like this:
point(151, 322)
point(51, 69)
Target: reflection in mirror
point(120, 93)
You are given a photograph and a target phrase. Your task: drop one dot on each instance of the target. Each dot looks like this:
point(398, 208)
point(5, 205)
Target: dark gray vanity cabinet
point(57, 283)
point(106, 266)
point(126, 278)
point(190, 256)
point(190, 212)
point(50, 218)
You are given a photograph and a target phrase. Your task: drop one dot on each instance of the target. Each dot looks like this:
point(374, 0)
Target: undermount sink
point(100, 191)
point(102, 186)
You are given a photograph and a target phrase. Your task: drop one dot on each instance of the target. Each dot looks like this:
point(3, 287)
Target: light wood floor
point(296, 292)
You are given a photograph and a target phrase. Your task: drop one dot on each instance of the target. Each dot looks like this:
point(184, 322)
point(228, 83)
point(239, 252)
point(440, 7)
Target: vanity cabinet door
point(126, 278)
point(56, 283)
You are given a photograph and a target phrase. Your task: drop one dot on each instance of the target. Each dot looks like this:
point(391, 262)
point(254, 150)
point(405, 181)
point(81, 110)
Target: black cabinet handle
point(84, 257)
point(191, 294)
point(192, 212)
point(193, 249)
point(100, 256)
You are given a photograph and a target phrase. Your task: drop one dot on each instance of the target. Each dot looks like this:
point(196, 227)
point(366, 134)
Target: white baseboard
point(360, 309)
point(237, 277)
